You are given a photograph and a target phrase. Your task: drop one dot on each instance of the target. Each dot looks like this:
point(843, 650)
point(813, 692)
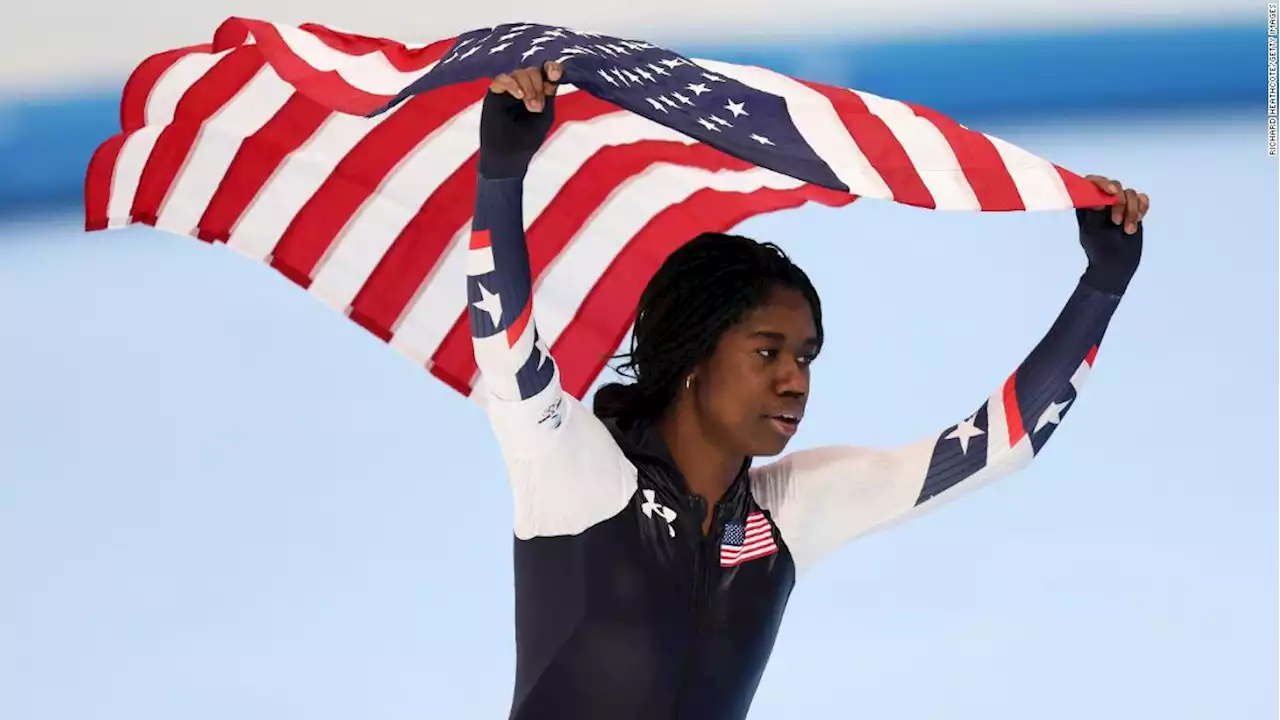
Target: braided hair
point(701, 290)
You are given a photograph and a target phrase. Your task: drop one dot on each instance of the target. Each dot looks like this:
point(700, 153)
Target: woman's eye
point(768, 352)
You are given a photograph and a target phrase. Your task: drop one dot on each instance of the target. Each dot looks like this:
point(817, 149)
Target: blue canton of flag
point(734, 533)
point(661, 85)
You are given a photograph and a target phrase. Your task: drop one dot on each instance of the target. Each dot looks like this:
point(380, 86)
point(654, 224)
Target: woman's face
point(752, 392)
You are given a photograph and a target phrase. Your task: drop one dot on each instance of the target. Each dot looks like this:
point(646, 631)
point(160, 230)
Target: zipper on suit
point(702, 575)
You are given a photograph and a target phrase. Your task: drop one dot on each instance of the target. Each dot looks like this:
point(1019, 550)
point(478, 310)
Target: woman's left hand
point(1113, 251)
point(1130, 207)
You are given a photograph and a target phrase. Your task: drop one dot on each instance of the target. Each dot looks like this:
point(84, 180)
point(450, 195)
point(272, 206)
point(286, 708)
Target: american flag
point(742, 542)
point(348, 164)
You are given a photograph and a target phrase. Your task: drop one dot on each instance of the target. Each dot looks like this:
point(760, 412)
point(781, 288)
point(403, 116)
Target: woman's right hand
point(533, 85)
point(517, 114)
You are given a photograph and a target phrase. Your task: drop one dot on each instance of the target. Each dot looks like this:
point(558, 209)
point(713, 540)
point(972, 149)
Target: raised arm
point(825, 497)
point(566, 471)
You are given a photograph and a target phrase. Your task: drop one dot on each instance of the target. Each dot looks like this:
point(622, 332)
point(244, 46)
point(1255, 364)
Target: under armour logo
point(664, 512)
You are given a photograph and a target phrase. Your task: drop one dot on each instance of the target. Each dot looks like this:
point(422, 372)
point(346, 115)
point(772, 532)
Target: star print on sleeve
point(510, 354)
point(1040, 392)
point(1051, 415)
point(963, 432)
point(489, 302)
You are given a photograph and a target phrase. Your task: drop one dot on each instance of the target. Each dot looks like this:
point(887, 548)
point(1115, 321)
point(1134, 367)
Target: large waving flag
point(348, 163)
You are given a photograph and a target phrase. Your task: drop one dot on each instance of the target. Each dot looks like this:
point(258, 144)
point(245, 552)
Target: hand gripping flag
point(348, 162)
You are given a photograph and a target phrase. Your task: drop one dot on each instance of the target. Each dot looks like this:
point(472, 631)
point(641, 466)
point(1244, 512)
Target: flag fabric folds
point(348, 164)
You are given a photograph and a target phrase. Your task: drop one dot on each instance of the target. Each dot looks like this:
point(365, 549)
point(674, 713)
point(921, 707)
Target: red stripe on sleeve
point(1013, 413)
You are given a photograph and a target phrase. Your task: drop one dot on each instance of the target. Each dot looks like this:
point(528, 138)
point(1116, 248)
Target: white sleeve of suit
point(566, 471)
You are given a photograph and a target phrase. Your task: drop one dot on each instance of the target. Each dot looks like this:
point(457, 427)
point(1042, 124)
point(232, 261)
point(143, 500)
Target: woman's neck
point(708, 470)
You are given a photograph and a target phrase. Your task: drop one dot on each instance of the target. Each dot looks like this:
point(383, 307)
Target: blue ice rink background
point(219, 499)
point(223, 500)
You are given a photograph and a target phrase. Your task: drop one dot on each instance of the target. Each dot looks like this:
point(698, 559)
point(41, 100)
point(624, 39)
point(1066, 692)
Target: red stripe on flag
point(606, 314)
point(479, 239)
point(204, 98)
point(1012, 412)
point(1092, 355)
point(579, 107)
point(360, 173)
point(584, 193)
point(1084, 193)
point(883, 149)
point(400, 57)
point(97, 183)
point(454, 361)
point(325, 86)
point(409, 263)
point(446, 367)
point(133, 116)
point(983, 167)
point(137, 89)
point(258, 158)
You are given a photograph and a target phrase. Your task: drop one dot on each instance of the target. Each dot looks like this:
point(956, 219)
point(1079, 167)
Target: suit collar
point(642, 443)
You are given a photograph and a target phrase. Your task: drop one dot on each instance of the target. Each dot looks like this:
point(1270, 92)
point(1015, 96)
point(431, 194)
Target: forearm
point(1035, 395)
point(1113, 259)
point(1018, 419)
point(512, 359)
